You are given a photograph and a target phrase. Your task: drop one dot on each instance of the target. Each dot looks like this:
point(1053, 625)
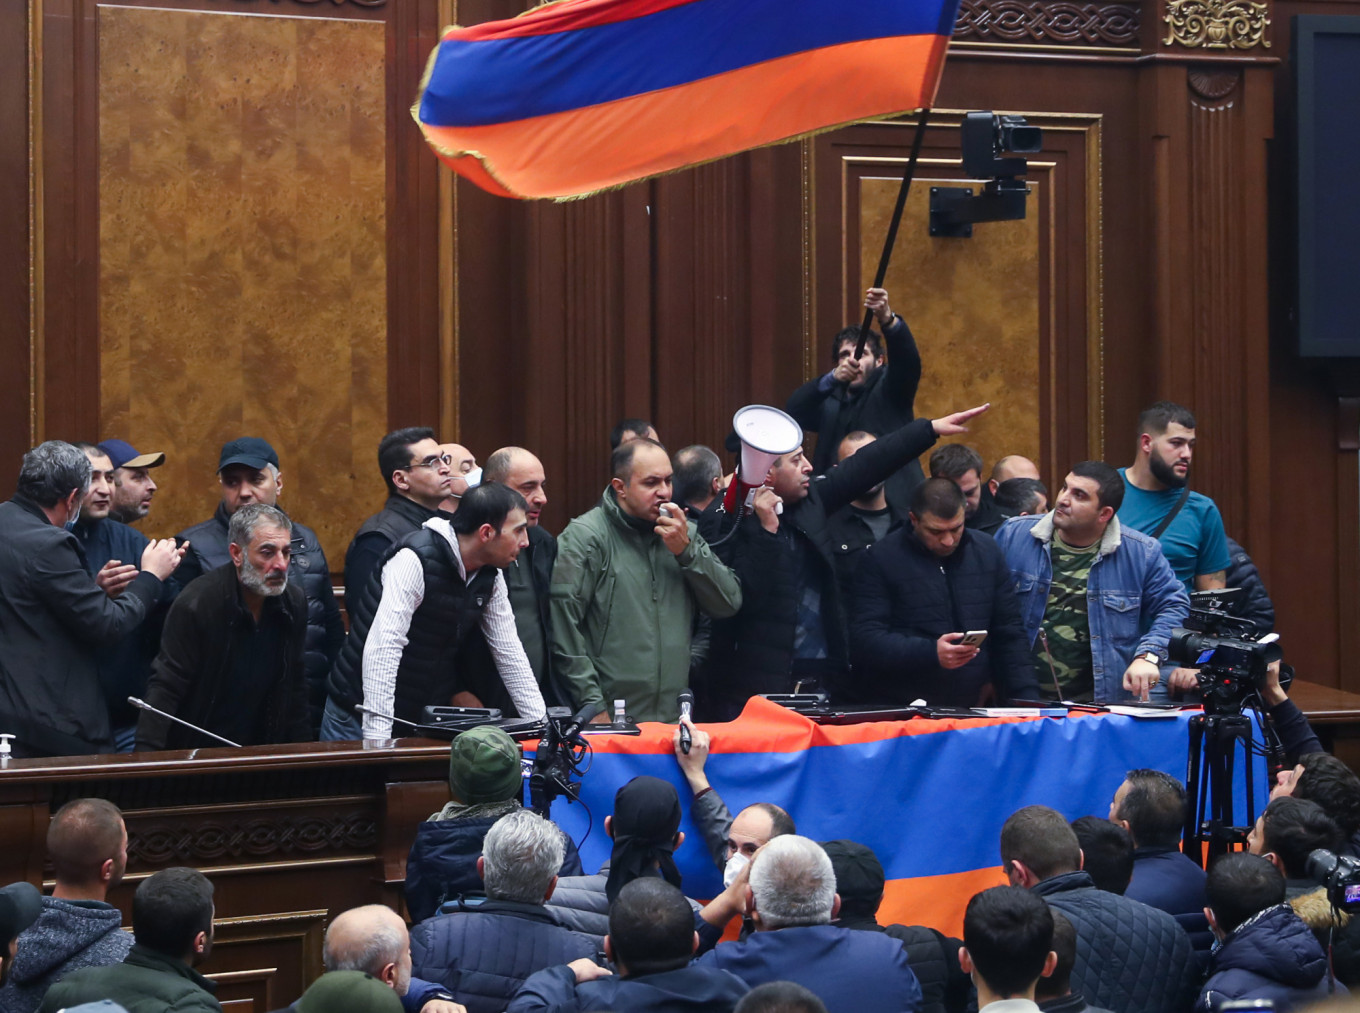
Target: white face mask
point(732, 870)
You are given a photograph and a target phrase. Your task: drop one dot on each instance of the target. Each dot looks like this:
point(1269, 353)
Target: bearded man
point(231, 658)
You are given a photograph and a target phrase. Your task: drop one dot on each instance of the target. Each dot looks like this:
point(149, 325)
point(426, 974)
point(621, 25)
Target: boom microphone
point(686, 701)
point(143, 705)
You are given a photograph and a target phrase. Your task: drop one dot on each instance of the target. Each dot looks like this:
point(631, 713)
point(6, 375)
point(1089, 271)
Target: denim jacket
point(1133, 599)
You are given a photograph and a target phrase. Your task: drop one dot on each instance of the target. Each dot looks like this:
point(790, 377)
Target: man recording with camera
point(1287, 834)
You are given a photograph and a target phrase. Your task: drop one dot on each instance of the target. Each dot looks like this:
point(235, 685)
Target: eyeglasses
point(434, 461)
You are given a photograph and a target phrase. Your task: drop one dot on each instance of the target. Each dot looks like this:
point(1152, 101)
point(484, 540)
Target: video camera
point(1231, 661)
point(558, 759)
point(1340, 874)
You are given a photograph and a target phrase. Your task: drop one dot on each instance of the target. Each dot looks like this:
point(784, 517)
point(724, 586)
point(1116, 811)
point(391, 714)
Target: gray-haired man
point(482, 952)
point(791, 897)
point(231, 652)
point(56, 619)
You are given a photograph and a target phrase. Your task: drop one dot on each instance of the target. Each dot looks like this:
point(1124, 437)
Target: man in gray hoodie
point(87, 843)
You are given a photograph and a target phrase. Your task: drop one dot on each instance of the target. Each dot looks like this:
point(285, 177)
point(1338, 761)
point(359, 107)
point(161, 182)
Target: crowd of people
point(1099, 914)
point(855, 573)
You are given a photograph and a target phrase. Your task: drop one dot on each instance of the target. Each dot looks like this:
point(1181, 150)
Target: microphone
point(143, 705)
point(686, 701)
point(580, 718)
point(390, 717)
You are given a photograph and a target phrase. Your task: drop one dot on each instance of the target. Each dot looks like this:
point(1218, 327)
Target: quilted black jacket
point(482, 955)
point(934, 959)
point(1131, 958)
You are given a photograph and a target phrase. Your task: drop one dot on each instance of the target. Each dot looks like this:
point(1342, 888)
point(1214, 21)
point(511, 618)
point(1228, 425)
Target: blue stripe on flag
point(928, 804)
point(477, 83)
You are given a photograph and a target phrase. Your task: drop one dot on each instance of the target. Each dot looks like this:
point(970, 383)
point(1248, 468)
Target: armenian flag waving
point(580, 96)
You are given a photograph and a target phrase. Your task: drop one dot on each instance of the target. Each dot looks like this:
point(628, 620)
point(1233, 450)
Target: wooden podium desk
point(292, 835)
point(289, 835)
point(1334, 715)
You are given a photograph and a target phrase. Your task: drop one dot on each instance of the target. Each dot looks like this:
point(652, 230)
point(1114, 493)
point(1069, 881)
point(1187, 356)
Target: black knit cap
point(646, 820)
point(859, 876)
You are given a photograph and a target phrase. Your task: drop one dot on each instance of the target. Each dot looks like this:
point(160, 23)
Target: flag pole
point(896, 221)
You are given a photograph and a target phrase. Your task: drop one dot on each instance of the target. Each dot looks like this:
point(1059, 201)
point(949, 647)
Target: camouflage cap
point(484, 766)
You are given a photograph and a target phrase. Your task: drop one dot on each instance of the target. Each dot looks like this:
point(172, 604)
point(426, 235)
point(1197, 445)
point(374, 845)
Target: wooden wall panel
point(242, 259)
point(1059, 323)
point(683, 298)
point(16, 184)
point(974, 307)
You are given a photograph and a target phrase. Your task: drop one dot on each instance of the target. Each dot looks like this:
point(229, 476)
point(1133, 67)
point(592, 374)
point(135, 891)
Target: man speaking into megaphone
point(789, 634)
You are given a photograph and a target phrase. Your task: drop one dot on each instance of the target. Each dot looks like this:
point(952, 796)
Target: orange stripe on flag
point(597, 147)
point(935, 901)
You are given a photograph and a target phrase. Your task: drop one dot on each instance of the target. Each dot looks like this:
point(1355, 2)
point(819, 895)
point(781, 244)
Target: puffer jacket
point(1168, 879)
point(145, 982)
point(934, 959)
point(307, 568)
point(442, 864)
point(67, 936)
point(1131, 958)
point(1272, 955)
point(686, 990)
point(905, 598)
point(623, 608)
point(581, 904)
point(482, 954)
point(1255, 603)
point(852, 972)
point(1339, 928)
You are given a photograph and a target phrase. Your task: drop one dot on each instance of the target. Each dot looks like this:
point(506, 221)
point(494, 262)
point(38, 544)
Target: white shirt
point(1011, 1006)
point(403, 589)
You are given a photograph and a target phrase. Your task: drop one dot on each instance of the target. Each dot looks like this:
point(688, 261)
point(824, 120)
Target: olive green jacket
point(145, 982)
point(623, 607)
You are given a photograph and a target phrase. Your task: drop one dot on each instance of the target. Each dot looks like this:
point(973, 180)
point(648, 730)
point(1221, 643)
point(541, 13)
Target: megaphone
point(766, 435)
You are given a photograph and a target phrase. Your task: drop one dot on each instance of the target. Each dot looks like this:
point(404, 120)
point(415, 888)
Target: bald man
point(527, 579)
point(1011, 466)
point(373, 939)
point(462, 463)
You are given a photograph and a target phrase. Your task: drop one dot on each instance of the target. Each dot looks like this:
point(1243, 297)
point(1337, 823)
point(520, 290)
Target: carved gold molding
point(1048, 21)
point(1216, 24)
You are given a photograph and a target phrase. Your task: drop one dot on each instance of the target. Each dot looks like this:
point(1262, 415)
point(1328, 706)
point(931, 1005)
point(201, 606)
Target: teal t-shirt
point(1194, 543)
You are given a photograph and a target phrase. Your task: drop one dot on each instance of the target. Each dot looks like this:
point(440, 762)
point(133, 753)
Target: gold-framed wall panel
point(1080, 139)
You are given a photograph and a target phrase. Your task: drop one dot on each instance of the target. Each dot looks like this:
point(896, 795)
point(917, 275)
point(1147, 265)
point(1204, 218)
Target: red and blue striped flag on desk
point(928, 796)
point(580, 96)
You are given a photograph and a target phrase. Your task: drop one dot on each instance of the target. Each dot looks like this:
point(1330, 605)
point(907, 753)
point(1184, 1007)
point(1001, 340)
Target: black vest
point(449, 611)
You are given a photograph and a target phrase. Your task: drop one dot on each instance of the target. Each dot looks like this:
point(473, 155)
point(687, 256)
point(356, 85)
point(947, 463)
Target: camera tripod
point(1214, 741)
